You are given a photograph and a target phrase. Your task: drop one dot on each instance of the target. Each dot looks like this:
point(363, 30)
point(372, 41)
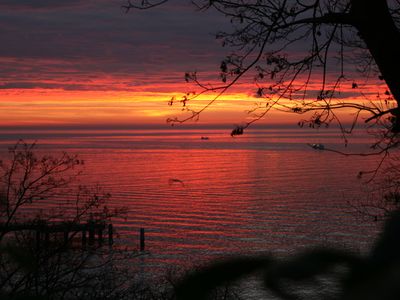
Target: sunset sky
point(88, 62)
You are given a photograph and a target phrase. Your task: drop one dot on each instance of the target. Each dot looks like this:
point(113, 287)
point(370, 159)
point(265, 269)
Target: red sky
point(87, 62)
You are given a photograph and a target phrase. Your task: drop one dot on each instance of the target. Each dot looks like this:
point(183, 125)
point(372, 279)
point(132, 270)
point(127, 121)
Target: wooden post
point(84, 237)
point(66, 236)
point(37, 239)
point(110, 234)
point(100, 234)
point(141, 239)
point(46, 238)
point(91, 232)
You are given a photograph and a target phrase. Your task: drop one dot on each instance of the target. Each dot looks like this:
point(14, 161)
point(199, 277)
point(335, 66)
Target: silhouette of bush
point(372, 276)
point(36, 267)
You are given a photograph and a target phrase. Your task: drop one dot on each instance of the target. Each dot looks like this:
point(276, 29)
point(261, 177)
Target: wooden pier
point(90, 231)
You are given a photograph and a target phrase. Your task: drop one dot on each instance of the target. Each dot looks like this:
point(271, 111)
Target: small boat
point(317, 146)
point(205, 138)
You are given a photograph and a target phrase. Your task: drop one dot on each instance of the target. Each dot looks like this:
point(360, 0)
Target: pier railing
point(91, 232)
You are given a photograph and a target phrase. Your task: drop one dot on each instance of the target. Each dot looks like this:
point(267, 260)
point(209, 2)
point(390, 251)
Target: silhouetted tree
point(27, 179)
point(382, 195)
point(302, 53)
point(38, 191)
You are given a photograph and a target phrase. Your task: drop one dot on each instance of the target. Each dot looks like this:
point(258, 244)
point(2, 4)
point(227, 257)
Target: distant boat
point(317, 146)
point(205, 138)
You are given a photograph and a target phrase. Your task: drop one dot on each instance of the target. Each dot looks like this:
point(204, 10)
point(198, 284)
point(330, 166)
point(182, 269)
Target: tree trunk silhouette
point(376, 27)
point(261, 27)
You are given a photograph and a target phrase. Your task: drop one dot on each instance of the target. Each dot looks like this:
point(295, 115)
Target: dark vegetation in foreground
point(307, 274)
point(57, 267)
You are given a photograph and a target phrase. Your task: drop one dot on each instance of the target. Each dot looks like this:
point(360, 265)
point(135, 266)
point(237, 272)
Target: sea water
point(201, 194)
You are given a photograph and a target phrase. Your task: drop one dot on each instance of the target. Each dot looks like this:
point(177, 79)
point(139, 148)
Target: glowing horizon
point(96, 65)
point(41, 106)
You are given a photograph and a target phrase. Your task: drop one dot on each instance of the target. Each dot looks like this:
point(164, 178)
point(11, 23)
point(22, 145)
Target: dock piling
point(142, 240)
point(110, 234)
point(84, 237)
point(66, 233)
point(100, 235)
point(91, 233)
point(37, 239)
point(46, 239)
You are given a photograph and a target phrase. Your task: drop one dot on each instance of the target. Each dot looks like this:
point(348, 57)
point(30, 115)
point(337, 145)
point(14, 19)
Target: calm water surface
point(199, 199)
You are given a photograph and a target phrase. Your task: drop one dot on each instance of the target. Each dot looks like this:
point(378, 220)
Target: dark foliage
point(373, 276)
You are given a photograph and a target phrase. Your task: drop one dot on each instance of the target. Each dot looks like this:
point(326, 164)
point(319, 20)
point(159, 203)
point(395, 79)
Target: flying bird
point(171, 181)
